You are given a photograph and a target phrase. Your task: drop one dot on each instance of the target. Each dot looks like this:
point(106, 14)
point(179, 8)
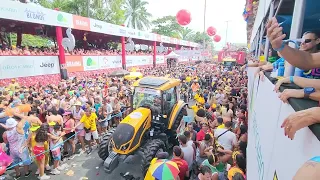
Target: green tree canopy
point(167, 26)
point(105, 10)
point(136, 14)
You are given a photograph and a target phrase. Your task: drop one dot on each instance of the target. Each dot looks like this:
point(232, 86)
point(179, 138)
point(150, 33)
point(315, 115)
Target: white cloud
point(218, 12)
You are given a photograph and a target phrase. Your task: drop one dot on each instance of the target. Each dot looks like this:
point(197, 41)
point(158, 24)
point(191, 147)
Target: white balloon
point(130, 45)
point(69, 43)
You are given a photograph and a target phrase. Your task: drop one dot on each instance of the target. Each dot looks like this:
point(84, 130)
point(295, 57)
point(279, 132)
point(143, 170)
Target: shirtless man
point(54, 117)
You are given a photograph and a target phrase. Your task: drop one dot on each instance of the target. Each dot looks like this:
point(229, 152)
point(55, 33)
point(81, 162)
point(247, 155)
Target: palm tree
point(186, 33)
point(136, 14)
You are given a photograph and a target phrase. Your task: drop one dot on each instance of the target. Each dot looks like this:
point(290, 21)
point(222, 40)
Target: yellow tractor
point(150, 128)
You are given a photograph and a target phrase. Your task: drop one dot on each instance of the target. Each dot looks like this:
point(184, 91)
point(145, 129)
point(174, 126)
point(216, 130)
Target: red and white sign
point(81, 23)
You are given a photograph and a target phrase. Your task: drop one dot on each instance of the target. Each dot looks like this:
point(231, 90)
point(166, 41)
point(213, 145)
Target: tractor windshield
point(146, 97)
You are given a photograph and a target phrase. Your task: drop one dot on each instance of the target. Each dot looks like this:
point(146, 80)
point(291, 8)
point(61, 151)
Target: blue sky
point(218, 12)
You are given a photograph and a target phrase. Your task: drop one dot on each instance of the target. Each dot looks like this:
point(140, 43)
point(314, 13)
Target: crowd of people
point(213, 146)
point(38, 119)
point(52, 51)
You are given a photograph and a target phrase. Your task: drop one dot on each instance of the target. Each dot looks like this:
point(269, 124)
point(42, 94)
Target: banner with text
point(28, 12)
point(24, 66)
point(106, 62)
point(160, 60)
point(183, 59)
point(270, 152)
point(139, 60)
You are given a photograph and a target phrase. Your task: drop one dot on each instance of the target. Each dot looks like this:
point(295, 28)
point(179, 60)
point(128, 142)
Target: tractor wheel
point(105, 145)
point(150, 151)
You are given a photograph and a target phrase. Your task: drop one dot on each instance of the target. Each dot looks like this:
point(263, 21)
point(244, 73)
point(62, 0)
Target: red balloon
point(217, 38)
point(211, 31)
point(183, 17)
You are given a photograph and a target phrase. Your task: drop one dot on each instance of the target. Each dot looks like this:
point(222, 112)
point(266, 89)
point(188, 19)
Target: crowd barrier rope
point(58, 145)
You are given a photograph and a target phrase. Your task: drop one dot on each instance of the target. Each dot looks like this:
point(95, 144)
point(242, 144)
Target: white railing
point(269, 151)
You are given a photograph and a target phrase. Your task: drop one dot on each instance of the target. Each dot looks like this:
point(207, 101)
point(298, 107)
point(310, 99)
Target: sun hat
point(11, 123)
point(34, 128)
point(52, 123)
point(66, 113)
point(78, 103)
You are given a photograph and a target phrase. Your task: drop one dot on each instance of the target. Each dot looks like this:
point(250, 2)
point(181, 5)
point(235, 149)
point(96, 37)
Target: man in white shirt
point(226, 138)
point(187, 150)
point(109, 110)
point(220, 96)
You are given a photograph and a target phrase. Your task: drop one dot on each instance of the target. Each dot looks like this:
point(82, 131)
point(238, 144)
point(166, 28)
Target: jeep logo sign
point(47, 65)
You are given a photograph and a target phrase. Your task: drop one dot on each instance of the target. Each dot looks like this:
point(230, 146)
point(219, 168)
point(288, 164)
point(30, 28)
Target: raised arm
point(299, 81)
point(297, 58)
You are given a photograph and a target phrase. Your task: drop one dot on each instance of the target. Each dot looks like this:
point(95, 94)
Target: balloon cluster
point(217, 38)
point(183, 18)
point(211, 31)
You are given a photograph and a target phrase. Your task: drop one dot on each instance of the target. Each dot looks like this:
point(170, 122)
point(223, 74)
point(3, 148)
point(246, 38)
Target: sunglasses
point(306, 41)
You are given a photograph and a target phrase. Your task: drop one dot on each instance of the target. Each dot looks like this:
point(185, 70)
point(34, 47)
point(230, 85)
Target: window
point(169, 103)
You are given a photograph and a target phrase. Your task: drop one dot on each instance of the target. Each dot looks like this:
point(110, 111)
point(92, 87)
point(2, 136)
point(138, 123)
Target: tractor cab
point(228, 63)
point(150, 93)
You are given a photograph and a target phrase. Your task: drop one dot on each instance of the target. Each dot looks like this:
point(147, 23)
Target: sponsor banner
point(7, 12)
point(106, 62)
point(188, 53)
point(158, 38)
point(110, 29)
point(147, 36)
point(61, 19)
point(36, 14)
point(270, 151)
point(98, 26)
point(132, 33)
point(47, 65)
point(138, 60)
point(74, 63)
point(81, 23)
point(160, 60)
point(24, 66)
point(90, 63)
point(121, 31)
point(183, 59)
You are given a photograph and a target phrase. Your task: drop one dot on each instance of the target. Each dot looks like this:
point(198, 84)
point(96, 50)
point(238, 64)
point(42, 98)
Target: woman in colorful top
point(15, 137)
point(69, 124)
point(238, 167)
point(35, 125)
point(55, 144)
point(39, 149)
point(77, 113)
point(212, 162)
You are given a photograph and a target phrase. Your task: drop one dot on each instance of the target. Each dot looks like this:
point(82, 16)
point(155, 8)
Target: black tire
point(149, 152)
point(104, 144)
